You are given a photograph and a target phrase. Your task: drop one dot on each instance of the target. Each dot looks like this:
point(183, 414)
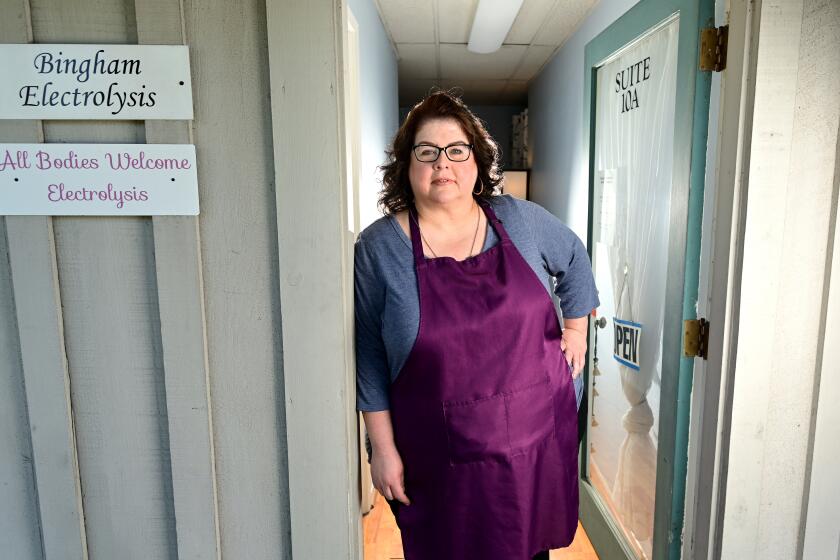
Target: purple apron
point(484, 412)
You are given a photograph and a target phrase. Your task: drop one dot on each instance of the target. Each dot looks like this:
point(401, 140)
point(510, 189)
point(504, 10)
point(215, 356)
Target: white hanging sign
point(607, 205)
point(115, 82)
point(626, 342)
point(98, 179)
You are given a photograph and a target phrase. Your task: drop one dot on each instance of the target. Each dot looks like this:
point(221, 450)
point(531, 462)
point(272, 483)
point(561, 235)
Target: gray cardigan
point(388, 304)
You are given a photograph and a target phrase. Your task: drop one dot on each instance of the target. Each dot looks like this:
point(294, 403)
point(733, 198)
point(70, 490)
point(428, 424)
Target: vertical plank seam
point(16, 327)
point(156, 233)
point(284, 20)
point(55, 284)
point(27, 18)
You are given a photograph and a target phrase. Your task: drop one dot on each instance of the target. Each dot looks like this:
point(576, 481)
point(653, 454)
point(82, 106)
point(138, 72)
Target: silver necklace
point(472, 245)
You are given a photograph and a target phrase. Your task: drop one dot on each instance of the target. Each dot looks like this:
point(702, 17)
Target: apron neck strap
point(417, 242)
point(495, 222)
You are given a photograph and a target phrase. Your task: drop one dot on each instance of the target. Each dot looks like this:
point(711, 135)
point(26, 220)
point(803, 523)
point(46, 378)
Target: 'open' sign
point(626, 342)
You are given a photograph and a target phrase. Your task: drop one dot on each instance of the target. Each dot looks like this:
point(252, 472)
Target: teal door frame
point(686, 213)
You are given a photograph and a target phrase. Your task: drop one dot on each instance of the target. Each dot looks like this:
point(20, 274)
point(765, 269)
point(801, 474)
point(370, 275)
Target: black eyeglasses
point(454, 152)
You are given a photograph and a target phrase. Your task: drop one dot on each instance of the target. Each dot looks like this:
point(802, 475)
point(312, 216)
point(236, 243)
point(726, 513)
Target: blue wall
point(555, 123)
point(499, 122)
point(378, 100)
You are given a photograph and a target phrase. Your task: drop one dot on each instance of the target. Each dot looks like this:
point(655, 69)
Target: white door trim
point(721, 282)
point(306, 47)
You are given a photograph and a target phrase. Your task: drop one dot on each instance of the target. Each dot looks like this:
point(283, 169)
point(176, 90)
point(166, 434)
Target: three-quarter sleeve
point(566, 259)
point(372, 374)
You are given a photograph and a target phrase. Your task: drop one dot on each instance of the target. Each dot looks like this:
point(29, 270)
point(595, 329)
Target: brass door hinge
point(713, 43)
point(696, 338)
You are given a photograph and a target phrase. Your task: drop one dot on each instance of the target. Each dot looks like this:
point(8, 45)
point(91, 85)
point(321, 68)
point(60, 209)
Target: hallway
point(179, 382)
point(382, 538)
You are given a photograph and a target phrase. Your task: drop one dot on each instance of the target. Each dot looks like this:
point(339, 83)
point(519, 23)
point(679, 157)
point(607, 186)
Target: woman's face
point(442, 181)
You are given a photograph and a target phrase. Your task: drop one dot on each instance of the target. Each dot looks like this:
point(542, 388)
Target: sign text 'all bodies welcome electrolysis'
point(98, 179)
point(124, 82)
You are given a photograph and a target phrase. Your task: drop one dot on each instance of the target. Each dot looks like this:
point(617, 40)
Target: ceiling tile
point(563, 22)
point(455, 19)
point(417, 61)
point(409, 21)
point(531, 16)
point(456, 62)
point(534, 59)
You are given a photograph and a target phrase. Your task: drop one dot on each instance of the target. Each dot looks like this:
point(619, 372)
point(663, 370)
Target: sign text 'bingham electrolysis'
point(115, 82)
point(98, 179)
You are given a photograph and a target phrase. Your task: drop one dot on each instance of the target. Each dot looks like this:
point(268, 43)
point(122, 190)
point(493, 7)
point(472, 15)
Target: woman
point(465, 379)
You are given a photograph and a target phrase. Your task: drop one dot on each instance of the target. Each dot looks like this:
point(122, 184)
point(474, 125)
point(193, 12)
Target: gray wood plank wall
point(307, 108)
point(232, 132)
point(110, 301)
point(19, 520)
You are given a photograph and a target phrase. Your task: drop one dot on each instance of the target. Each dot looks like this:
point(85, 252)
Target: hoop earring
point(482, 188)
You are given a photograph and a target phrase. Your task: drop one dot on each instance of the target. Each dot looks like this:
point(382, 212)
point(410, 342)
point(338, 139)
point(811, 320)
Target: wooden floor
point(382, 538)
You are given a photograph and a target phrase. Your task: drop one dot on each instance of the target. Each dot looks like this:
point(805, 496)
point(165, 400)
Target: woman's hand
point(573, 343)
point(386, 466)
point(386, 470)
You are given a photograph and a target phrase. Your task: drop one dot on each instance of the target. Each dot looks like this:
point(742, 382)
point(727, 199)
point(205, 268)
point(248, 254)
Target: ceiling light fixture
point(493, 19)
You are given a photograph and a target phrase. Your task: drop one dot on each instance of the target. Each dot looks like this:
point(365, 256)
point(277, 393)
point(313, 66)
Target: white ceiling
point(430, 39)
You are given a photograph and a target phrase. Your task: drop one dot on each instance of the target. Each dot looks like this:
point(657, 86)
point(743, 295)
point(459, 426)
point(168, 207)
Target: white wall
point(379, 108)
point(786, 269)
point(822, 533)
point(555, 123)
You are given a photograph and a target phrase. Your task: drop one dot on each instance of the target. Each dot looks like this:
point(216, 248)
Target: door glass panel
point(634, 131)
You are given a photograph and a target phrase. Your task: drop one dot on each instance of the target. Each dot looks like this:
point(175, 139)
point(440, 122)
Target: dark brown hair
point(396, 194)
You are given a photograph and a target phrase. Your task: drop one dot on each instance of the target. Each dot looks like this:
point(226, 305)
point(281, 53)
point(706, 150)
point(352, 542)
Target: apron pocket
point(477, 430)
point(530, 414)
point(500, 426)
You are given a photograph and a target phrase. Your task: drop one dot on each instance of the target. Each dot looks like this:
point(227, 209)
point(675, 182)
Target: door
point(352, 145)
point(647, 127)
